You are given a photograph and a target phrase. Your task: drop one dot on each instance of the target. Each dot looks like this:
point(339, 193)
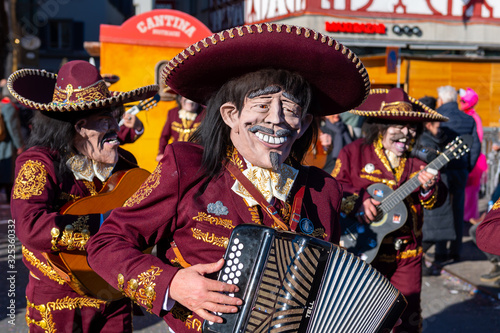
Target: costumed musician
point(263, 88)
point(393, 122)
point(72, 150)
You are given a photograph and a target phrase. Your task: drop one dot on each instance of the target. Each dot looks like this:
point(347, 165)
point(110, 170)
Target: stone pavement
point(461, 277)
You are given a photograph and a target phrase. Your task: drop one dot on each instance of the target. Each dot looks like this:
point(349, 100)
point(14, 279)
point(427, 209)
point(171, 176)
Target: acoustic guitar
point(364, 239)
point(72, 265)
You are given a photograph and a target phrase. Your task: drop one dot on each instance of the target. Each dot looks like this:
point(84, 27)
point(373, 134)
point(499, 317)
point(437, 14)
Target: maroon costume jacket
point(358, 166)
point(169, 206)
point(488, 232)
point(37, 196)
point(177, 129)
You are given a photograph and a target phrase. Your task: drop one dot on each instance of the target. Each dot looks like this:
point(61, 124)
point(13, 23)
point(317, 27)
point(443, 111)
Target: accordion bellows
point(296, 283)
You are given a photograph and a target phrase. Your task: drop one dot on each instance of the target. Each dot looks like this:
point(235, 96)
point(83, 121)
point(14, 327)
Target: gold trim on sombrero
point(259, 28)
point(94, 92)
point(112, 99)
point(396, 106)
point(400, 109)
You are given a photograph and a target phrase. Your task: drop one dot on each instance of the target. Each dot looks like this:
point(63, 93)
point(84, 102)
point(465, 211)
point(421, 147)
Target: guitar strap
point(267, 207)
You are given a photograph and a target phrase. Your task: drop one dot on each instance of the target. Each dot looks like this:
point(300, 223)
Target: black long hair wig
point(213, 133)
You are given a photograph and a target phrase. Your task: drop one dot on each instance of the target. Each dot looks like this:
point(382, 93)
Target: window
point(60, 36)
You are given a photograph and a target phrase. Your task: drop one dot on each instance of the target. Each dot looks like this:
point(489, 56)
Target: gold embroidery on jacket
point(91, 187)
point(146, 188)
point(30, 180)
point(142, 290)
point(193, 324)
point(228, 224)
point(255, 215)
point(234, 158)
point(410, 253)
point(66, 197)
point(42, 267)
point(210, 238)
point(180, 312)
point(66, 303)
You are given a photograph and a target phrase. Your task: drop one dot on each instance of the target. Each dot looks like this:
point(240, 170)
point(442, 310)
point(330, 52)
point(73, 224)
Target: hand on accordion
point(201, 295)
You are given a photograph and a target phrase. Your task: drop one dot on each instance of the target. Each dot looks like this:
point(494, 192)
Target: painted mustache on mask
point(399, 136)
point(280, 132)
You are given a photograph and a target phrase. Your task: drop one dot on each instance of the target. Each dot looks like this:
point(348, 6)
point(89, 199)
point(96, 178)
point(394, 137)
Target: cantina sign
point(356, 28)
point(161, 27)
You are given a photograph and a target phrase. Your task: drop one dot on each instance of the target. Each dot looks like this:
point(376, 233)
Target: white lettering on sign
point(260, 10)
point(157, 22)
point(456, 8)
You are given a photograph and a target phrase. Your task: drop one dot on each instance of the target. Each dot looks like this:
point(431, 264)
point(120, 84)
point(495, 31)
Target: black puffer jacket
point(438, 222)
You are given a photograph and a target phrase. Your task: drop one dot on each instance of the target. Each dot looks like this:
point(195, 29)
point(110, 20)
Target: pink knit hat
point(468, 98)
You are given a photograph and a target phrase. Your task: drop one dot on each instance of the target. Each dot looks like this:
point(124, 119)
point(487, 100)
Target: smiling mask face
point(397, 138)
point(269, 123)
point(97, 136)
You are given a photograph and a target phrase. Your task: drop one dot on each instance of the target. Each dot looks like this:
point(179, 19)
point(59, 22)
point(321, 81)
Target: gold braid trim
point(42, 267)
point(429, 203)
point(496, 205)
point(146, 294)
point(66, 303)
point(146, 188)
point(336, 169)
point(379, 150)
point(391, 183)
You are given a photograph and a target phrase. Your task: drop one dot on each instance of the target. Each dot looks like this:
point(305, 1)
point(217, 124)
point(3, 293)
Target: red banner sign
point(356, 28)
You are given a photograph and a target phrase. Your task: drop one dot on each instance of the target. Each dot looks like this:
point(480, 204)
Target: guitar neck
point(411, 185)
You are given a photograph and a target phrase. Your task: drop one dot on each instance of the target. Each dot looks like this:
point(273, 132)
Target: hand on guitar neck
point(370, 212)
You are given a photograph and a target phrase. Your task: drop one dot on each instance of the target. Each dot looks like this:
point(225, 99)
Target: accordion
point(295, 283)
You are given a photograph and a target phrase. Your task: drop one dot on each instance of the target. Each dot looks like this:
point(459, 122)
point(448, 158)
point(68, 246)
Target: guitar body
point(72, 264)
point(364, 239)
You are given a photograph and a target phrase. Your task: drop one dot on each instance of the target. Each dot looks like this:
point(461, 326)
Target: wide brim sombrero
point(396, 105)
point(339, 80)
point(77, 87)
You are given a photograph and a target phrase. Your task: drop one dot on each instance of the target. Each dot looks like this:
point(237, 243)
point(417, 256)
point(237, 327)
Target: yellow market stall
point(136, 52)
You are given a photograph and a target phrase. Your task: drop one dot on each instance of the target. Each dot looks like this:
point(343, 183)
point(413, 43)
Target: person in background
point(334, 135)
point(12, 143)
point(72, 151)
point(394, 121)
point(438, 222)
point(354, 124)
point(132, 127)
point(457, 170)
point(243, 165)
point(467, 101)
point(181, 123)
